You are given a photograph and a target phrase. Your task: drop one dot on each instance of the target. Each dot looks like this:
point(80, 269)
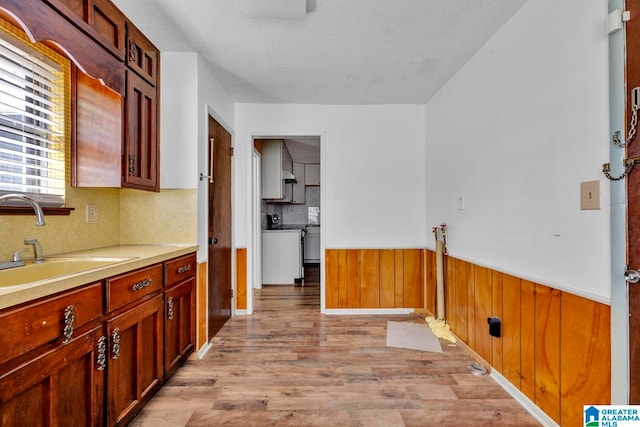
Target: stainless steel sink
point(53, 267)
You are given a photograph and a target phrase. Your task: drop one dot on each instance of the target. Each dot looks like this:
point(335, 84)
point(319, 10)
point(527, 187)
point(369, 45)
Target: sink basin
point(53, 267)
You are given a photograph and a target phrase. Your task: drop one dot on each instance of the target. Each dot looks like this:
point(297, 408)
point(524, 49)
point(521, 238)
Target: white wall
point(373, 161)
point(515, 132)
point(178, 119)
point(189, 94)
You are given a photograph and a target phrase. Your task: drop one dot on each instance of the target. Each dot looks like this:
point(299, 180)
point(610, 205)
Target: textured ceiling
point(341, 52)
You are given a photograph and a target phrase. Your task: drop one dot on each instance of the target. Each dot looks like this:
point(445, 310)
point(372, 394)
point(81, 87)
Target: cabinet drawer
point(129, 287)
point(54, 319)
point(179, 269)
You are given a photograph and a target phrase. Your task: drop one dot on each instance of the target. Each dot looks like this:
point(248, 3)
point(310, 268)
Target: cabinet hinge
point(231, 151)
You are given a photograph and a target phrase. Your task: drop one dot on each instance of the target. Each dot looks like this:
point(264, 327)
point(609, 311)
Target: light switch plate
point(590, 195)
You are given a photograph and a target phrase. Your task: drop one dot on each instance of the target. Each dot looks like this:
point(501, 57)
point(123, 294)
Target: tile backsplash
point(294, 214)
point(125, 217)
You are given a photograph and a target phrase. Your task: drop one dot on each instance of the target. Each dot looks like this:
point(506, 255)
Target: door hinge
point(231, 151)
point(231, 293)
point(616, 20)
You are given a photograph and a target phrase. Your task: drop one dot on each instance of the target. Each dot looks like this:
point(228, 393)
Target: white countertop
point(137, 256)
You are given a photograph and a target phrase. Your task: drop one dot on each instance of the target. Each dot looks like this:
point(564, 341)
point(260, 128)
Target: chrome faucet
point(37, 250)
point(36, 207)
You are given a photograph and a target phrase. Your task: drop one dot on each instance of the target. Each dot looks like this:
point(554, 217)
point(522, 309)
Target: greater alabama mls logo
point(611, 415)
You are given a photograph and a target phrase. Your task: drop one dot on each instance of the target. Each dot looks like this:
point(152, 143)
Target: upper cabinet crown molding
point(43, 24)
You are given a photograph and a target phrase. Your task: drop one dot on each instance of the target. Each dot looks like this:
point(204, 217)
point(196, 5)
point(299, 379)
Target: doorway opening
point(286, 218)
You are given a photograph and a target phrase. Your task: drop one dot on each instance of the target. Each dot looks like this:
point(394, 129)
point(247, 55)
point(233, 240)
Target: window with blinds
point(33, 93)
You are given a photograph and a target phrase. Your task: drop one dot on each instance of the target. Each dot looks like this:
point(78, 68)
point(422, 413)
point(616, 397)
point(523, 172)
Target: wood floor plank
point(289, 365)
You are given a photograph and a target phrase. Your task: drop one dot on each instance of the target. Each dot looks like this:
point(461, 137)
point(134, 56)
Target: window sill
point(26, 210)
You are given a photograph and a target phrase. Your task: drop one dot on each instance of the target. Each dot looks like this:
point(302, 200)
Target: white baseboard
point(523, 400)
point(350, 311)
point(205, 348)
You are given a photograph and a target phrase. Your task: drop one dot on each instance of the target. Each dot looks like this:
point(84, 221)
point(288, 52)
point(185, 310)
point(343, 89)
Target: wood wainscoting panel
point(547, 350)
point(527, 338)
point(375, 278)
point(399, 282)
point(585, 357)
point(201, 305)
point(460, 303)
point(387, 278)
point(482, 303)
point(554, 346)
point(332, 279)
point(343, 297)
point(353, 279)
point(496, 311)
point(241, 279)
point(369, 275)
point(450, 297)
point(430, 280)
point(511, 329)
point(412, 263)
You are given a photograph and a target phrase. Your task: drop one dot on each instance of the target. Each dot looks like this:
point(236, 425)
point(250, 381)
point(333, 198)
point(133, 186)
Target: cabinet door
point(100, 19)
point(271, 169)
point(141, 145)
point(299, 195)
point(179, 325)
point(135, 359)
point(97, 140)
point(142, 55)
point(63, 386)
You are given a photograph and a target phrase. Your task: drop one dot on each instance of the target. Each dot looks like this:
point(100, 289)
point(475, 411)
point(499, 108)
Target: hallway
point(288, 365)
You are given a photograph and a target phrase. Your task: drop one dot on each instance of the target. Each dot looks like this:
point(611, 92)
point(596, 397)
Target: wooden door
point(633, 188)
point(219, 286)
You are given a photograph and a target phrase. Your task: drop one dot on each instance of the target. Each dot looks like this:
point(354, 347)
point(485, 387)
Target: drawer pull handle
point(170, 308)
point(115, 344)
point(102, 353)
point(142, 285)
point(184, 268)
point(68, 318)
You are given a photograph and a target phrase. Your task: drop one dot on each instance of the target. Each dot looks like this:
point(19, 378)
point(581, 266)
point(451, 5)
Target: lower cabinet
point(93, 356)
point(179, 325)
point(135, 359)
point(62, 386)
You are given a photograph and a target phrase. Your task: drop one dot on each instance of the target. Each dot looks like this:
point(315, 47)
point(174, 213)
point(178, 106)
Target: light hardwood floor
point(288, 365)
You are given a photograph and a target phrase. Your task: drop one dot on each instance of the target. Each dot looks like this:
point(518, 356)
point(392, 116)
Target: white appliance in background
point(312, 244)
point(281, 256)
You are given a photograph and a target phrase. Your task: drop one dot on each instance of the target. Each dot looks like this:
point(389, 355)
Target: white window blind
point(32, 122)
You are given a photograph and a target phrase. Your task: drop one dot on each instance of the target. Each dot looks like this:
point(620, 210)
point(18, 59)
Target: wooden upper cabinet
point(142, 55)
point(97, 140)
point(141, 150)
point(100, 19)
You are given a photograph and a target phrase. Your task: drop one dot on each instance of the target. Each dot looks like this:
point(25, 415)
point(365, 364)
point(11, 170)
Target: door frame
point(254, 215)
point(620, 372)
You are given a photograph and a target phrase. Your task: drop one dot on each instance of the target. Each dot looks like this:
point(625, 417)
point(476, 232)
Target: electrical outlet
point(91, 214)
point(590, 195)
